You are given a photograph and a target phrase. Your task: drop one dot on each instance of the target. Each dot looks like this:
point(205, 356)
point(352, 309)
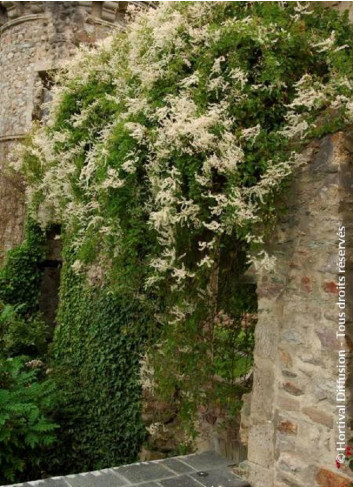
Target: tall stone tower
point(35, 38)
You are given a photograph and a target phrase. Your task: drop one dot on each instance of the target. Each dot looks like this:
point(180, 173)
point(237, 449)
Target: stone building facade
point(35, 38)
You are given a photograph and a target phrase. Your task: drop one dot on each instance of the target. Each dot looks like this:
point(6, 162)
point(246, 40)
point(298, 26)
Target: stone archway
point(291, 416)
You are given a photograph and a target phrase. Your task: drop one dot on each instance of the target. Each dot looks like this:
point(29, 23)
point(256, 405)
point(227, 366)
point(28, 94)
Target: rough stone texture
point(207, 469)
point(326, 478)
point(36, 37)
point(291, 414)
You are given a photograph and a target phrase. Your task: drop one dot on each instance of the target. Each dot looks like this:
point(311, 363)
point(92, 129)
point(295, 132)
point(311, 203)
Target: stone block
point(306, 285)
point(181, 481)
point(327, 478)
point(284, 443)
point(319, 416)
point(205, 460)
point(289, 374)
point(218, 478)
point(245, 414)
point(261, 445)
point(330, 286)
point(266, 337)
point(285, 358)
point(293, 389)
point(302, 478)
point(288, 403)
point(292, 337)
point(292, 463)
point(327, 337)
point(287, 427)
point(324, 389)
point(177, 466)
point(52, 482)
point(260, 476)
point(142, 472)
point(263, 391)
point(98, 478)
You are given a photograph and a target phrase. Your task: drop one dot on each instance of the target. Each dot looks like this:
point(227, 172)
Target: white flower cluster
point(77, 177)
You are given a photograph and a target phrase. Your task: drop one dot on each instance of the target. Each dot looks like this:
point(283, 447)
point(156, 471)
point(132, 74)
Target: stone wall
point(290, 419)
point(36, 37)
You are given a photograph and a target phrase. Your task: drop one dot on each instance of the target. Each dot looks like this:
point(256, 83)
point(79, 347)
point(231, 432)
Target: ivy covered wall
point(96, 353)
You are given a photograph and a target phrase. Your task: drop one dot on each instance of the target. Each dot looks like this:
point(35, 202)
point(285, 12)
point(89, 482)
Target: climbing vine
point(164, 153)
point(96, 366)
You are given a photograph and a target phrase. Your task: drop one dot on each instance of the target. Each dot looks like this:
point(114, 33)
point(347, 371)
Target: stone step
point(207, 469)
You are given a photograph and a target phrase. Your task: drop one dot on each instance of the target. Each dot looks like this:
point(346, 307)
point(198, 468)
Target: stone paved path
point(207, 469)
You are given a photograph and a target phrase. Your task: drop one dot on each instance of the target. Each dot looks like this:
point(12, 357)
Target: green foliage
point(96, 356)
point(25, 429)
point(164, 155)
point(21, 336)
point(21, 275)
point(22, 330)
point(26, 398)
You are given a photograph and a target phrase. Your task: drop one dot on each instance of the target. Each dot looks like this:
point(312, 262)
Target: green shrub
point(20, 277)
point(21, 336)
point(25, 429)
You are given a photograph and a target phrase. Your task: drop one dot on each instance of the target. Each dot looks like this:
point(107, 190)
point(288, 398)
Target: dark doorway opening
point(49, 293)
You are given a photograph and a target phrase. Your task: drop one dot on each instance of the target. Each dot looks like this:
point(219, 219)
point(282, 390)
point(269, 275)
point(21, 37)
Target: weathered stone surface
point(287, 403)
point(292, 337)
point(324, 389)
point(328, 337)
point(292, 389)
point(288, 427)
point(285, 358)
point(327, 478)
point(35, 37)
point(261, 445)
point(300, 317)
point(319, 416)
point(174, 472)
point(245, 418)
point(263, 391)
point(266, 338)
point(330, 287)
point(291, 462)
point(289, 374)
point(306, 284)
point(259, 476)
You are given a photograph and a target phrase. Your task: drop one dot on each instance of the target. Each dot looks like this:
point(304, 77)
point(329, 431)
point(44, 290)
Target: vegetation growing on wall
point(26, 395)
point(162, 158)
point(96, 363)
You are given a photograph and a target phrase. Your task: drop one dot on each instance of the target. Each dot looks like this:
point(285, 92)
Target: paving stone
point(106, 478)
point(177, 465)
point(148, 484)
point(52, 482)
point(197, 470)
point(219, 477)
point(206, 461)
point(144, 472)
point(181, 481)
